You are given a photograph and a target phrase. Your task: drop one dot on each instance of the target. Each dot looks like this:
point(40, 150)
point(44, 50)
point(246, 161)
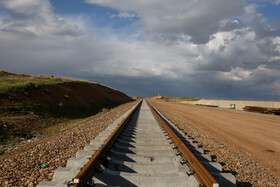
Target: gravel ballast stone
point(21, 166)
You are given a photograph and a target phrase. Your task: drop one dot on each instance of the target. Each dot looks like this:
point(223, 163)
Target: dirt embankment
point(67, 99)
point(29, 104)
point(247, 143)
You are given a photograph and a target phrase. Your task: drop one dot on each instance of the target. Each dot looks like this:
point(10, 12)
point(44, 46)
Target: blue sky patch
point(99, 15)
point(270, 11)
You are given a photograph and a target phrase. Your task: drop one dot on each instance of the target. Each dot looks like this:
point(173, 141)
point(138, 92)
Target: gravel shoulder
point(247, 143)
point(22, 166)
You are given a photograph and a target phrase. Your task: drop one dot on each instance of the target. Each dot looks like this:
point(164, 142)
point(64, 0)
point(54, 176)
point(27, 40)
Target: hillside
point(29, 104)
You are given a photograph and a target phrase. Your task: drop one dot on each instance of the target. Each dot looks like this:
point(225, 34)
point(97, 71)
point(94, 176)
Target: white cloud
point(34, 17)
point(276, 42)
point(197, 18)
point(124, 15)
point(236, 74)
point(237, 48)
point(26, 7)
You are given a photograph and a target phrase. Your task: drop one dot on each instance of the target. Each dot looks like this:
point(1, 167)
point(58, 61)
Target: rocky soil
point(37, 158)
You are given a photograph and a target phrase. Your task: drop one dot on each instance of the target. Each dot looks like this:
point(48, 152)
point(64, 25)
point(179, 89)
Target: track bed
point(141, 148)
point(142, 156)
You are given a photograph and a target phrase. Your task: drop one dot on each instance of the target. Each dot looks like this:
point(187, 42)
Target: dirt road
point(247, 143)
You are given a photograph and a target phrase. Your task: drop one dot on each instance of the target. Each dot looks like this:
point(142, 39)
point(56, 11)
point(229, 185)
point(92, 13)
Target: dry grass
point(12, 82)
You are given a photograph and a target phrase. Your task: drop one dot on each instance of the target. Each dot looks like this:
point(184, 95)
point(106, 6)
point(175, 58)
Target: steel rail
point(83, 177)
point(201, 173)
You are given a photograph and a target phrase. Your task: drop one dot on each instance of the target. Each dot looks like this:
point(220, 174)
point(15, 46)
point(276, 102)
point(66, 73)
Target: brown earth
point(29, 104)
point(69, 99)
point(247, 143)
point(21, 166)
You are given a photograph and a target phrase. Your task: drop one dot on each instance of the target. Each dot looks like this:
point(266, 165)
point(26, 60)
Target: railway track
point(141, 148)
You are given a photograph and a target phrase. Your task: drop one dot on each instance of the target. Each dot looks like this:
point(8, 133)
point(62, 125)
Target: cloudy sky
point(212, 49)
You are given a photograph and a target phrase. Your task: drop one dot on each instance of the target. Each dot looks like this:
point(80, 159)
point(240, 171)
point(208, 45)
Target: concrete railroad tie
point(141, 156)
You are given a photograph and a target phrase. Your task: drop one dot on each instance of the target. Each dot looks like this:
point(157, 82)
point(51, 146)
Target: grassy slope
point(29, 104)
point(13, 82)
